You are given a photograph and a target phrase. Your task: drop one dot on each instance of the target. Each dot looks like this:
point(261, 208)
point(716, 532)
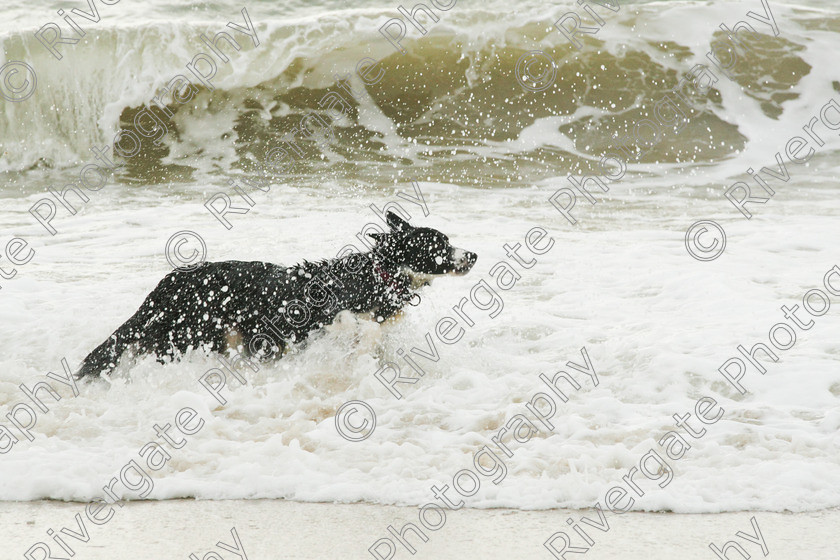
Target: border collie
point(258, 308)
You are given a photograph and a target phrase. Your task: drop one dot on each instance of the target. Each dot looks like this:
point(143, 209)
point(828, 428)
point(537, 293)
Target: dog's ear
point(378, 237)
point(396, 223)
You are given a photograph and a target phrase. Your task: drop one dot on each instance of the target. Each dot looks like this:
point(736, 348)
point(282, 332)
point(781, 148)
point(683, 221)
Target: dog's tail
point(106, 356)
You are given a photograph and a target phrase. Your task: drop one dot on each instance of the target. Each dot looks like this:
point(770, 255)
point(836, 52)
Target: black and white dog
point(257, 308)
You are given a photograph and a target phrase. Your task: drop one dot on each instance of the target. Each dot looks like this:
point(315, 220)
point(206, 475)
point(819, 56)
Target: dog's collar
point(399, 288)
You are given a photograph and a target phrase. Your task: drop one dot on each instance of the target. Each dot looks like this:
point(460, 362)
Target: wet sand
point(276, 529)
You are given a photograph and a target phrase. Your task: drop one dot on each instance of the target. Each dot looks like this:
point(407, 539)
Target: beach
point(274, 529)
point(650, 325)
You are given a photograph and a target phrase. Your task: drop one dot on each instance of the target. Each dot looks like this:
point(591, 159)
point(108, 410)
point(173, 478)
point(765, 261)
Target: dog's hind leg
point(104, 358)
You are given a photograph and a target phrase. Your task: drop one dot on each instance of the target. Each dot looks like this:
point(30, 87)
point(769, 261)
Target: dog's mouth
point(464, 261)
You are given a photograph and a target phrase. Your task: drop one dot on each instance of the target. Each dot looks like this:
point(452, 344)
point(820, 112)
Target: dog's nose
point(471, 258)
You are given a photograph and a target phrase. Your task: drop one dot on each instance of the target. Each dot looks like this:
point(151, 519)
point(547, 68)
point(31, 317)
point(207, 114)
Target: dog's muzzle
point(464, 261)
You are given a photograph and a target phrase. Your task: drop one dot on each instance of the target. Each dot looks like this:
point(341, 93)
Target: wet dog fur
point(258, 308)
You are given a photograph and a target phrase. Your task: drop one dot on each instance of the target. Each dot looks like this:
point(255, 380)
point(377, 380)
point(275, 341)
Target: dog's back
point(189, 308)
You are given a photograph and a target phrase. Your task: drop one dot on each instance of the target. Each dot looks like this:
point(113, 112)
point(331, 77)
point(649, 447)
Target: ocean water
point(450, 118)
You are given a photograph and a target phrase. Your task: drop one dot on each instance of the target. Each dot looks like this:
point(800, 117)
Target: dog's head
point(421, 253)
